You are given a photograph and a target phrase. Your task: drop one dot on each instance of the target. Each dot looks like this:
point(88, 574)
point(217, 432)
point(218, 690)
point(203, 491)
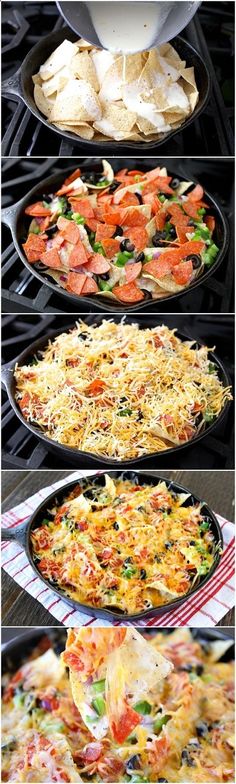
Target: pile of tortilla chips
point(99, 95)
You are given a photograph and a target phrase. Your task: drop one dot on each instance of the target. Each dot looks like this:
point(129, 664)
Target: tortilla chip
point(45, 105)
point(56, 83)
point(189, 85)
point(61, 57)
point(37, 79)
point(81, 129)
point(77, 101)
point(116, 122)
point(82, 66)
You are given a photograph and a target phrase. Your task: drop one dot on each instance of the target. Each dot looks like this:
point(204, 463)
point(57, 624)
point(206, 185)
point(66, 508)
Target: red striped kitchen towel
point(203, 609)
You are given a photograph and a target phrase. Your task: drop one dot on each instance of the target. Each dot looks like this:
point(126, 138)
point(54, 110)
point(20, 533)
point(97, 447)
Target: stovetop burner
point(22, 292)
point(21, 450)
point(211, 32)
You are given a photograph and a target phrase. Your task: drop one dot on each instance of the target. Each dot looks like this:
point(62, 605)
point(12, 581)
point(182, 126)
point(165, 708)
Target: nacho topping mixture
point(177, 726)
point(120, 391)
point(126, 236)
point(90, 92)
point(124, 546)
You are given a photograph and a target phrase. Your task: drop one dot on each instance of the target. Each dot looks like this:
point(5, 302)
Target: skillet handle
point(12, 86)
point(9, 215)
point(18, 534)
point(6, 374)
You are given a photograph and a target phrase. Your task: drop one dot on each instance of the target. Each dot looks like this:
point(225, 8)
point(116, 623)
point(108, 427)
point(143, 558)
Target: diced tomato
point(37, 210)
point(111, 247)
point(182, 273)
point(69, 229)
point(78, 256)
point(43, 538)
point(138, 236)
point(123, 725)
point(187, 433)
point(51, 258)
point(96, 387)
point(129, 292)
point(110, 768)
point(104, 232)
point(90, 286)
point(75, 282)
point(82, 525)
point(34, 247)
point(73, 661)
point(92, 752)
point(49, 568)
point(132, 271)
point(98, 264)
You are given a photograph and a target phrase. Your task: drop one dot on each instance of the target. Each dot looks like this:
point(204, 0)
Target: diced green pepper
point(45, 521)
point(99, 706)
point(98, 687)
point(62, 205)
point(206, 677)
point(143, 707)
point(208, 417)
point(104, 285)
point(18, 700)
point(35, 230)
point(129, 571)
point(125, 412)
point(211, 367)
point(162, 198)
point(202, 211)
point(98, 248)
point(79, 219)
point(159, 723)
point(204, 526)
point(203, 568)
point(122, 258)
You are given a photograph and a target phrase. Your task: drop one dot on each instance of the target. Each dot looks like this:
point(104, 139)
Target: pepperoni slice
point(70, 179)
point(132, 271)
point(182, 273)
point(104, 232)
point(98, 264)
point(69, 229)
point(83, 206)
point(78, 256)
point(75, 282)
point(181, 232)
point(90, 286)
point(111, 247)
point(34, 247)
point(196, 194)
point(38, 210)
point(160, 219)
point(123, 725)
point(191, 208)
point(210, 223)
point(138, 236)
point(159, 267)
point(133, 218)
point(129, 292)
point(129, 200)
point(112, 216)
point(177, 215)
point(51, 258)
point(153, 201)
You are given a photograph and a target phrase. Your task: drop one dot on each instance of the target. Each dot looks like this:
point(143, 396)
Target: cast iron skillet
point(21, 534)
point(72, 455)
point(21, 85)
point(18, 223)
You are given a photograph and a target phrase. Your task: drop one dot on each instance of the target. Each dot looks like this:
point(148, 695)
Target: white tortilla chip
point(57, 82)
point(61, 57)
point(219, 647)
point(45, 105)
point(82, 66)
point(80, 129)
point(77, 101)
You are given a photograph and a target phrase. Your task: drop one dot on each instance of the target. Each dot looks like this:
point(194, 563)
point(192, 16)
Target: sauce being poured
point(130, 26)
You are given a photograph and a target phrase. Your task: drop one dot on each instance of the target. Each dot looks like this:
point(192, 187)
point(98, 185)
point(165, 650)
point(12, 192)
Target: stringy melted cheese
point(120, 391)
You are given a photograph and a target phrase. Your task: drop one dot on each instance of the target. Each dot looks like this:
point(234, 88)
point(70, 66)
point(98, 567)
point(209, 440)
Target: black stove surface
point(23, 293)
point(211, 32)
point(22, 450)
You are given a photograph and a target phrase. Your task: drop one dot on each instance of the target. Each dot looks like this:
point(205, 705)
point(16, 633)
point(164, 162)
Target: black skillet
point(76, 456)
point(18, 223)
point(21, 534)
point(21, 85)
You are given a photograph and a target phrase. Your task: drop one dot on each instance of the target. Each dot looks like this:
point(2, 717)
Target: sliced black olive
point(105, 276)
point(140, 256)
point(172, 233)
point(158, 237)
point(174, 183)
point(116, 526)
point(47, 197)
point(187, 759)
point(128, 560)
point(201, 729)
point(133, 763)
point(140, 509)
point(191, 222)
point(168, 545)
point(9, 745)
point(140, 416)
point(139, 197)
point(127, 245)
point(114, 185)
point(186, 668)
point(162, 780)
point(192, 542)
point(83, 335)
point(89, 494)
point(196, 260)
point(143, 574)
point(52, 229)
point(118, 232)
point(157, 558)
point(199, 669)
point(92, 177)
point(123, 399)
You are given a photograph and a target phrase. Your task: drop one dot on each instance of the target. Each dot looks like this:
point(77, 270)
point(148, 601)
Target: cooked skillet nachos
point(120, 392)
point(171, 722)
point(124, 546)
point(126, 237)
point(99, 95)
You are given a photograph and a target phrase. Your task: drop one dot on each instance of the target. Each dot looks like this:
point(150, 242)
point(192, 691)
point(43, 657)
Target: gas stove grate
point(21, 450)
point(211, 32)
point(22, 292)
